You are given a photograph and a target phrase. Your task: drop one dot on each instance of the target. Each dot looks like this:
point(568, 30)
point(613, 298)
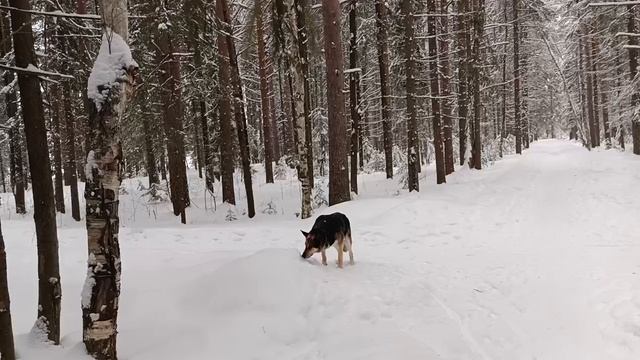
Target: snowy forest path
point(534, 257)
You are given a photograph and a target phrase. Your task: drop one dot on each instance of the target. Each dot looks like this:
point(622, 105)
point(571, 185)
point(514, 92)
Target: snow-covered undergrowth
point(535, 257)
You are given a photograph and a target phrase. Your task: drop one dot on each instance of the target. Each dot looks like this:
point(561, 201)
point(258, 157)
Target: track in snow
point(536, 257)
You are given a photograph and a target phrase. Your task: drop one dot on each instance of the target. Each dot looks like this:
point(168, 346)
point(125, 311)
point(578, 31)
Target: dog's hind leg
point(324, 257)
point(349, 243)
point(340, 252)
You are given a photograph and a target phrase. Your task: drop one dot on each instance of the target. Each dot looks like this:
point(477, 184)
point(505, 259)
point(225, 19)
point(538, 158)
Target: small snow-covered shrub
point(281, 170)
point(320, 194)
point(270, 208)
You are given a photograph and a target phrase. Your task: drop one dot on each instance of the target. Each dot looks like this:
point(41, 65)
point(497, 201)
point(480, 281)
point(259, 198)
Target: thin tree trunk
point(301, 8)
point(354, 94)
point(226, 124)
point(239, 112)
point(7, 349)
point(152, 170)
point(173, 114)
point(70, 167)
point(385, 89)
point(633, 69)
point(445, 87)
point(101, 292)
point(49, 289)
point(438, 144)
point(591, 110)
point(412, 122)
point(16, 169)
point(516, 79)
point(264, 94)
point(478, 33)
point(56, 135)
point(338, 173)
point(463, 44)
point(596, 92)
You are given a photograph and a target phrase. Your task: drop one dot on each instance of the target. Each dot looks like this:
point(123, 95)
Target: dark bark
point(7, 349)
point(49, 289)
point(226, 125)
point(55, 113)
point(478, 33)
point(596, 91)
point(633, 70)
point(412, 119)
point(70, 144)
point(354, 94)
point(445, 88)
point(264, 94)
point(516, 79)
point(463, 50)
point(16, 168)
point(385, 88)
point(172, 113)
point(434, 86)
point(338, 167)
point(239, 112)
point(591, 109)
point(150, 156)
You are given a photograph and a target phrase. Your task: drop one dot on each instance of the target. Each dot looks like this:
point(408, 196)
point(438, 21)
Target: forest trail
point(535, 257)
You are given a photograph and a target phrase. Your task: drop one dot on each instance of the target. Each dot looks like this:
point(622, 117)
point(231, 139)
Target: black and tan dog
point(329, 230)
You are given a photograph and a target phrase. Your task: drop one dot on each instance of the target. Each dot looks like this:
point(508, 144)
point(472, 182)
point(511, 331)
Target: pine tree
point(49, 289)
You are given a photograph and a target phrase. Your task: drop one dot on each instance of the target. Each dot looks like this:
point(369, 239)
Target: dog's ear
point(304, 233)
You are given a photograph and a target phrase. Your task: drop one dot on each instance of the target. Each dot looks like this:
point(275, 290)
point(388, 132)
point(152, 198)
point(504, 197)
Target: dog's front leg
point(324, 257)
point(340, 252)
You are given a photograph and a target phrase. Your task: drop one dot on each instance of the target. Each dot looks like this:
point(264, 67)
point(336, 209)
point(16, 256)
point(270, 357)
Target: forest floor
point(535, 257)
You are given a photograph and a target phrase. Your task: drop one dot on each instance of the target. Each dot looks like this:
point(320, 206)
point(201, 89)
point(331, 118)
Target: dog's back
point(333, 224)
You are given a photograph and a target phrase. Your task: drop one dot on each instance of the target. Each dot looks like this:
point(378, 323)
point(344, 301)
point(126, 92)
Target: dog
point(328, 230)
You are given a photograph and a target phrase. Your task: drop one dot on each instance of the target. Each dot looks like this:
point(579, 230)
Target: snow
point(535, 257)
point(110, 67)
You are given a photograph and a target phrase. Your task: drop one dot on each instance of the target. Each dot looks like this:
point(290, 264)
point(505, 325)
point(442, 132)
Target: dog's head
point(312, 244)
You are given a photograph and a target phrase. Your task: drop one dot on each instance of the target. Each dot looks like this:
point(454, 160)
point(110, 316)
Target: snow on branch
point(111, 68)
point(33, 70)
point(615, 3)
point(53, 13)
point(627, 34)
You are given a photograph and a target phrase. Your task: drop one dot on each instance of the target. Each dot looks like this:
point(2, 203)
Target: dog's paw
point(324, 263)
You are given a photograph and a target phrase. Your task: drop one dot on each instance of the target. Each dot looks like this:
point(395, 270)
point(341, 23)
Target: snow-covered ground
point(536, 257)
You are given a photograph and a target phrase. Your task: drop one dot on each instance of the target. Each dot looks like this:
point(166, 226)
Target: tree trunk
point(240, 116)
point(412, 122)
point(152, 170)
point(7, 349)
point(463, 45)
point(226, 124)
point(49, 289)
point(633, 69)
point(171, 95)
point(478, 33)
point(301, 8)
point(70, 168)
point(16, 169)
point(596, 92)
point(354, 94)
point(435, 94)
point(385, 88)
point(591, 110)
point(516, 79)
point(107, 100)
point(56, 134)
point(445, 87)
point(264, 94)
point(338, 173)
